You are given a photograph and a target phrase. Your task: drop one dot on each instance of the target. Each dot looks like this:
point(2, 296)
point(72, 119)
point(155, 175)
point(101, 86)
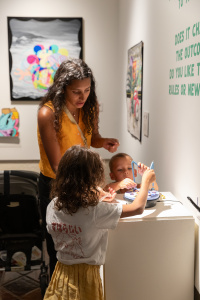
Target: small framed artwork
point(9, 122)
point(134, 90)
point(37, 47)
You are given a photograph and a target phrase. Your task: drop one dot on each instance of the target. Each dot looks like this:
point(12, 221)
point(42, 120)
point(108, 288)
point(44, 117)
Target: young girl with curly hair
point(68, 115)
point(79, 221)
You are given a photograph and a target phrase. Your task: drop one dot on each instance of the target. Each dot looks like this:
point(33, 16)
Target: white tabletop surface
point(168, 207)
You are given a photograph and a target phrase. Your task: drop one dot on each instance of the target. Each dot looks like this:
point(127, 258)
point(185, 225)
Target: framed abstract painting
point(37, 47)
point(134, 90)
point(9, 122)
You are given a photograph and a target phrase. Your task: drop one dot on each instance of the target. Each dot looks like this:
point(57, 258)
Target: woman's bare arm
point(48, 136)
point(98, 141)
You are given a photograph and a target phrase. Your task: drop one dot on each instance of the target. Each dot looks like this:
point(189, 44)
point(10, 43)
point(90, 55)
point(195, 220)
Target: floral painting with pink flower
point(134, 90)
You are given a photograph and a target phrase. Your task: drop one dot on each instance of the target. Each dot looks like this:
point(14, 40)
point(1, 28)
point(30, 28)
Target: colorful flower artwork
point(37, 47)
point(134, 90)
point(9, 122)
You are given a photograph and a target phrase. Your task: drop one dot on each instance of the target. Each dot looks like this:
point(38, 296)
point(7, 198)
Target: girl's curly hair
point(79, 174)
point(69, 70)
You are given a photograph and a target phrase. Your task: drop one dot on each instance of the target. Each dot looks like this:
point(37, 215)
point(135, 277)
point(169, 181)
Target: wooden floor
point(20, 285)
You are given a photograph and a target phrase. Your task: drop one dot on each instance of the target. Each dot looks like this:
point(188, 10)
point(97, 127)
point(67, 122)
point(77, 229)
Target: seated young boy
point(121, 172)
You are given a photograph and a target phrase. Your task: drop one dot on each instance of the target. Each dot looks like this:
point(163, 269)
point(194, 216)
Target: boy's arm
point(138, 205)
point(112, 185)
point(126, 183)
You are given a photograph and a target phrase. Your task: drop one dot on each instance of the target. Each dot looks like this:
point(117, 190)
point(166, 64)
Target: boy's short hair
point(114, 157)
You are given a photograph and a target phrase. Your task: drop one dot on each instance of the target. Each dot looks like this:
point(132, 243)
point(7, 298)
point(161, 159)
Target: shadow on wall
point(107, 171)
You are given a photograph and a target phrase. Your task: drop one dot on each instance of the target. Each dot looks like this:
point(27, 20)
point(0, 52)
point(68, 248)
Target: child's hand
point(141, 168)
point(108, 196)
point(111, 196)
point(149, 176)
point(127, 183)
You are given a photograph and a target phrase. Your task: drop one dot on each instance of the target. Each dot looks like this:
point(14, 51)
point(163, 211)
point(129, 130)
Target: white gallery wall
point(169, 29)
point(100, 21)
point(174, 122)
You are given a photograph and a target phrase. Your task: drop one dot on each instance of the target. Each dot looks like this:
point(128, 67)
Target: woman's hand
point(98, 141)
point(110, 144)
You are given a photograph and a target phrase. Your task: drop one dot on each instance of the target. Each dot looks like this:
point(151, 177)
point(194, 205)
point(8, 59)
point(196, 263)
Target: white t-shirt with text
point(83, 236)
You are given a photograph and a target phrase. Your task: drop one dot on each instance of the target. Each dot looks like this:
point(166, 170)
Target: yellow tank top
point(69, 136)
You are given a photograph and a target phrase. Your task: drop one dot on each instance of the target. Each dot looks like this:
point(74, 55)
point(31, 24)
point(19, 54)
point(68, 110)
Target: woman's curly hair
point(68, 71)
point(79, 174)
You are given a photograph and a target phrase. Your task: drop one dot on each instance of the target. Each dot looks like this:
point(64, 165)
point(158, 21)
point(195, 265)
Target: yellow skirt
point(75, 282)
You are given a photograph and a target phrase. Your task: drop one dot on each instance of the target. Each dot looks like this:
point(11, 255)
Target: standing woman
point(68, 115)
